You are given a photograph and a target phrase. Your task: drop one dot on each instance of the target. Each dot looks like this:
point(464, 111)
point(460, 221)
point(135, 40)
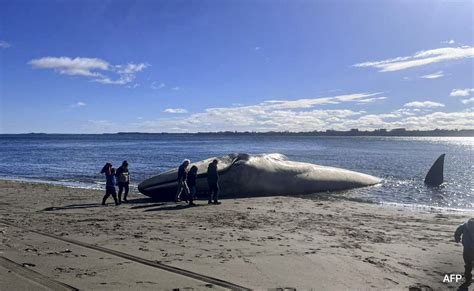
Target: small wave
point(69, 184)
point(416, 206)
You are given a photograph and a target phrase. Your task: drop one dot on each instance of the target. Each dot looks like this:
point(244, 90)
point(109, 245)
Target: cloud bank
point(302, 115)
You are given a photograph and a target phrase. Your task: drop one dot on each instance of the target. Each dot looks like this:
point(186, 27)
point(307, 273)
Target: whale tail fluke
point(435, 176)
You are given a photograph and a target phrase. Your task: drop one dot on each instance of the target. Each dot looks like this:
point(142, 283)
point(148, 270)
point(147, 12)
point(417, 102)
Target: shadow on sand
point(72, 206)
point(175, 207)
point(150, 204)
point(98, 204)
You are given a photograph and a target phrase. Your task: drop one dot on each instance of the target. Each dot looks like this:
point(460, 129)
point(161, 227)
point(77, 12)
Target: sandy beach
point(258, 243)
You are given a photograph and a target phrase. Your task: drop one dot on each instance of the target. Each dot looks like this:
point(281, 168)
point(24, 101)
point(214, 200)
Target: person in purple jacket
point(109, 183)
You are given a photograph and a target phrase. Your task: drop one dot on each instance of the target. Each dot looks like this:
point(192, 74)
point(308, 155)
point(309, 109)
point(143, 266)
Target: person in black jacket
point(466, 231)
point(182, 186)
point(123, 181)
point(191, 181)
point(213, 182)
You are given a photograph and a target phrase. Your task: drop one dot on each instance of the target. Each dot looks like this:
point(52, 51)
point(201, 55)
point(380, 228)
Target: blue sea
point(402, 162)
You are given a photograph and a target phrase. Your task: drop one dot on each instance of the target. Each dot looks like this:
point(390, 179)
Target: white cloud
point(451, 41)
point(257, 48)
point(4, 44)
point(421, 58)
point(77, 66)
point(175, 88)
point(307, 103)
point(120, 81)
point(131, 68)
point(156, 86)
point(176, 110)
point(436, 75)
point(468, 101)
point(461, 92)
point(423, 104)
point(78, 104)
point(133, 86)
point(90, 67)
point(370, 100)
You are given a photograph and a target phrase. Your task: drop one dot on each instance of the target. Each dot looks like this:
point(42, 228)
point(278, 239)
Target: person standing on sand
point(213, 182)
point(182, 186)
point(191, 181)
point(123, 181)
point(110, 183)
point(466, 231)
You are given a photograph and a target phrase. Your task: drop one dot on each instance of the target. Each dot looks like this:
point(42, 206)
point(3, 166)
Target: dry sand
point(259, 243)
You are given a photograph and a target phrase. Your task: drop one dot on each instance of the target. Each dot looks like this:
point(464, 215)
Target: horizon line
point(355, 130)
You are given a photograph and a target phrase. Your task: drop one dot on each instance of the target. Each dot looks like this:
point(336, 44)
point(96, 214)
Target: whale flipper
point(435, 176)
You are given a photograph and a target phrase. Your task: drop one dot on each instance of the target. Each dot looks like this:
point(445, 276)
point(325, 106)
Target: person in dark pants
point(191, 181)
point(213, 182)
point(466, 231)
point(110, 183)
point(182, 186)
point(123, 181)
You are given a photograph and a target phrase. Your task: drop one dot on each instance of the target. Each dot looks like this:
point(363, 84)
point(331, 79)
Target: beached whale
point(244, 175)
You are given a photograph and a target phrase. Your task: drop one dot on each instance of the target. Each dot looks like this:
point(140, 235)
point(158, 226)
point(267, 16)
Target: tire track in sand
point(200, 277)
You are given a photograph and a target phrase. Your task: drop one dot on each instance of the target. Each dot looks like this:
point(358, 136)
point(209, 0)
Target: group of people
point(121, 177)
point(187, 182)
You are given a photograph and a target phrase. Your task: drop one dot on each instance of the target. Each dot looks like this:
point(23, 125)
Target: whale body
point(244, 175)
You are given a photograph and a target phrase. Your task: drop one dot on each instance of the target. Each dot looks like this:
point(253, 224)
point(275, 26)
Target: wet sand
point(259, 243)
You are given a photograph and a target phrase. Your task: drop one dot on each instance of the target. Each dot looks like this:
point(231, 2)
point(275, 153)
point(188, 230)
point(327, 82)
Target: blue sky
point(187, 66)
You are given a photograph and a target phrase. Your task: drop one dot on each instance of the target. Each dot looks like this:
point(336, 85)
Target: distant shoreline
point(399, 132)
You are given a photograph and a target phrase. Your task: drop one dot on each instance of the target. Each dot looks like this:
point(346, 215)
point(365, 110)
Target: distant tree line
point(329, 132)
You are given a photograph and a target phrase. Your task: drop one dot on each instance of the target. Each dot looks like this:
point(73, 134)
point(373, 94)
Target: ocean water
point(402, 162)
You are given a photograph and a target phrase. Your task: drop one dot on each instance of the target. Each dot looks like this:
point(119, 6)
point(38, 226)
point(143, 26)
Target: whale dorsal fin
point(435, 176)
